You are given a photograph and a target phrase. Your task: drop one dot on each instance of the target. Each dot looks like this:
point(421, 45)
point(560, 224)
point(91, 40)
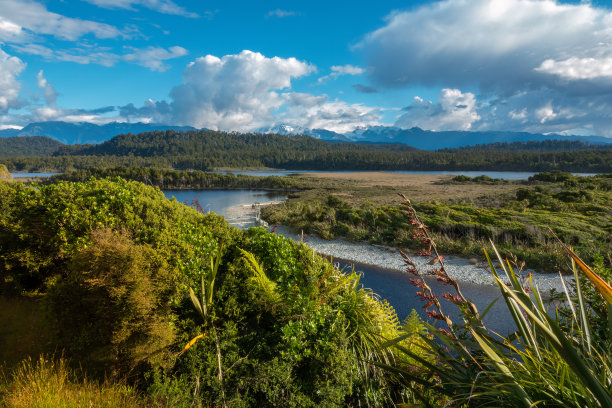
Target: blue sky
point(523, 65)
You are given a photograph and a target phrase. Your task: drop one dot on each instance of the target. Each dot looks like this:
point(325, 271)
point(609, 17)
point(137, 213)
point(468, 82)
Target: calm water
point(508, 175)
point(17, 175)
point(395, 286)
point(219, 200)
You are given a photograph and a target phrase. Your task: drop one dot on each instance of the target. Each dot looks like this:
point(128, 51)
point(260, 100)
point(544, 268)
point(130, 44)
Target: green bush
point(113, 308)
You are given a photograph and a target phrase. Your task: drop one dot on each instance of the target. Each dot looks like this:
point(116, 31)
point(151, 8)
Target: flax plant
point(544, 363)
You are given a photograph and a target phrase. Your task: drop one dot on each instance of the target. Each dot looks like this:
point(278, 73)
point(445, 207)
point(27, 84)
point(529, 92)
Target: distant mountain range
point(85, 132)
point(89, 133)
point(427, 139)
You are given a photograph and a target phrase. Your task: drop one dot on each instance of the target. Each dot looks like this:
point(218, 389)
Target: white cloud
point(317, 112)
point(10, 31)
point(151, 57)
point(162, 6)
point(234, 92)
point(281, 13)
point(35, 17)
point(496, 44)
point(248, 91)
point(539, 65)
point(578, 68)
point(154, 57)
point(339, 70)
point(546, 113)
point(10, 68)
point(48, 91)
point(453, 111)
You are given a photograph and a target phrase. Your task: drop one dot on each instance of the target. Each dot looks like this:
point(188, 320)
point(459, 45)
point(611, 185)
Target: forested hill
point(207, 150)
point(28, 146)
point(204, 142)
point(532, 146)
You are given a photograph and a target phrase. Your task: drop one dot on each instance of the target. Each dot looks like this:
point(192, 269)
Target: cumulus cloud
point(248, 91)
point(454, 110)
point(318, 112)
point(48, 91)
point(491, 43)
point(578, 68)
point(538, 64)
point(33, 16)
point(234, 92)
point(10, 68)
point(162, 6)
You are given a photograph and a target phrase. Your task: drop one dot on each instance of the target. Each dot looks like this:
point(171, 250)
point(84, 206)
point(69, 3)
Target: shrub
point(113, 307)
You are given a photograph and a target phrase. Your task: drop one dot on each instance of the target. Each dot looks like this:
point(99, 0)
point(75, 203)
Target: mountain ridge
point(90, 133)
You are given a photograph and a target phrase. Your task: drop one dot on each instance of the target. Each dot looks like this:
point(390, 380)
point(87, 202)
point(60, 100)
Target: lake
point(219, 200)
point(21, 175)
point(508, 175)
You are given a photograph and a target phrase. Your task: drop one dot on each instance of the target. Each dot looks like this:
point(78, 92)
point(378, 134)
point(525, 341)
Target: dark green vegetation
point(185, 179)
point(577, 209)
point(542, 146)
point(31, 146)
point(107, 266)
point(206, 150)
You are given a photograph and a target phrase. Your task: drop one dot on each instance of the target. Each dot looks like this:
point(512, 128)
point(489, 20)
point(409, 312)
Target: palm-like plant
point(203, 305)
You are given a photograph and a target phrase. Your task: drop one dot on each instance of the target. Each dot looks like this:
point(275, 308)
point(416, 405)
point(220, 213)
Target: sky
point(539, 66)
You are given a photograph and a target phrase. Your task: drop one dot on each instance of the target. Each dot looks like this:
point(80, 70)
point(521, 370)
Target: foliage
point(578, 209)
point(543, 363)
point(43, 227)
point(28, 146)
point(206, 149)
point(180, 179)
point(51, 383)
point(114, 260)
point(112, 309)
point(4, 173)
point(300, 330)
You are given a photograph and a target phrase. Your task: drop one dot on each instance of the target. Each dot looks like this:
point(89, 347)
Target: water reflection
point(219, 200)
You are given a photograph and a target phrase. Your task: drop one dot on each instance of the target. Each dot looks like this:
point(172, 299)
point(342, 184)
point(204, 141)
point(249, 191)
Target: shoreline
point(389, 258)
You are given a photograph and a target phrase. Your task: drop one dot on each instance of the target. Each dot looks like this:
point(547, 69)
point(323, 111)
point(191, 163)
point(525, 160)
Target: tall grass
point(544, 363)
point(50, 383)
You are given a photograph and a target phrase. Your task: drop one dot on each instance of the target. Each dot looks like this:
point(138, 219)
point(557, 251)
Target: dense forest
point(29, 146)
point(206, 150)
point(539, 146)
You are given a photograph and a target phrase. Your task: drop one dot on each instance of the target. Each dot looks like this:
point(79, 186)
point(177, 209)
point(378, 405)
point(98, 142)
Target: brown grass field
point(384, 187)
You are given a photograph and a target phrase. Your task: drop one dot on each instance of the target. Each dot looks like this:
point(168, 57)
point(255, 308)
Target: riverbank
point(461, 269)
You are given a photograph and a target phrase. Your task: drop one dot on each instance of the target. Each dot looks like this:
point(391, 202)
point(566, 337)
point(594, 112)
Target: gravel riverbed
point(461, 269)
